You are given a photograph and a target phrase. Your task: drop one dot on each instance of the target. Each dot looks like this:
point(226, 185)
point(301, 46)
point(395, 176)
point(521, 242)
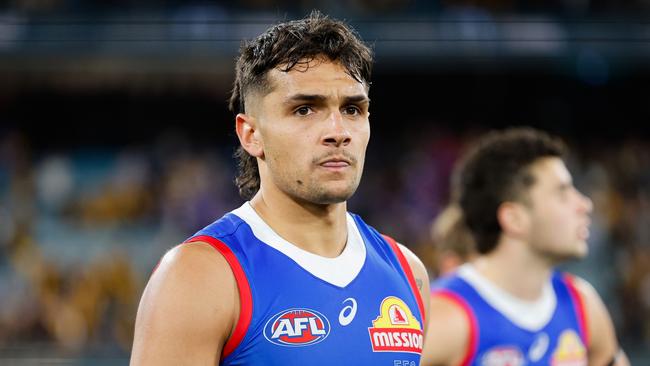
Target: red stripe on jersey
point(409, 275)
point(579, 307)
point(245, 297)
point(471, 319)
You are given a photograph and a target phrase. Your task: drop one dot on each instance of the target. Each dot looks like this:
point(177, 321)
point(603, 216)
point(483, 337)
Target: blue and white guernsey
point(298, 308)
point(506, 331)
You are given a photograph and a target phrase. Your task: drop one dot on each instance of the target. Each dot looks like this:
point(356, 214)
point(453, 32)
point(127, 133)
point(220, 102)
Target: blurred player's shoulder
point(603, 345)
point(449, 332)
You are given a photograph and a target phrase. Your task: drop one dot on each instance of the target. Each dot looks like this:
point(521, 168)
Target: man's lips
point(336, 161)
point(583, 232)
point(335, 164)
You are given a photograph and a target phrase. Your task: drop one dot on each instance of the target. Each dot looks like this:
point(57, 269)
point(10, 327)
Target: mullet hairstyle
point(287, 45)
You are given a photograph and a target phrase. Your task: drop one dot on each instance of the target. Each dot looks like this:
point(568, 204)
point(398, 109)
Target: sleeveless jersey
point(505, 331)
point(297, 308)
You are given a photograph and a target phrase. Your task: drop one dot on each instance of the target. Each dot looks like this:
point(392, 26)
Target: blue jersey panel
point(500, 342)
point(300, 319)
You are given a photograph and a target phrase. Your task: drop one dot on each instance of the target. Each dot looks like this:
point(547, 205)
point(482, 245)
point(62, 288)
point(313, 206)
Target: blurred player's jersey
point(506, 331)
point(298, 308)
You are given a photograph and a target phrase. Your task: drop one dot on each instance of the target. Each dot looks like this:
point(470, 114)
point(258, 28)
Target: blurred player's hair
point(452, 239)
point(497, 170)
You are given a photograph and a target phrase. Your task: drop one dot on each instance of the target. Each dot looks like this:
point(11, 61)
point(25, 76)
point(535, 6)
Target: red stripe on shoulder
point(470, 353)
point(579, 307)
point(245, 297)
point(409, 274)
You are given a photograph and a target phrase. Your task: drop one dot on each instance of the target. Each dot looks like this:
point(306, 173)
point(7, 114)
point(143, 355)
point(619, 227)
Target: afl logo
point(297, 328)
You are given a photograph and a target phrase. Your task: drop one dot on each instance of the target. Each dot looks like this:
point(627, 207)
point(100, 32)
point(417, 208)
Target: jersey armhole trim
point(245, 296)
point(470, 352)
point(578, 306)
point(409, 275)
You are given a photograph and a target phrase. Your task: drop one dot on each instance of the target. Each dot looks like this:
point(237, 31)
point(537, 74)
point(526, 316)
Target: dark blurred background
point(116, 143)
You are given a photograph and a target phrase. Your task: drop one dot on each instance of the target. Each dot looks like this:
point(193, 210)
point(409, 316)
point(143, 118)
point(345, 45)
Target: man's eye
point(352, 110)
point(303, 111)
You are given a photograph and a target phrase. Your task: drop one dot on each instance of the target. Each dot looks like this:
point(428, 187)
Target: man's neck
point(319, 229)
point(515, 269)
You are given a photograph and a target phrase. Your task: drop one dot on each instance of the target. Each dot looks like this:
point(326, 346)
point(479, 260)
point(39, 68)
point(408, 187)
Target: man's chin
point(582, 250)
point(332, 198)
point(571, 256)
point(334, 195)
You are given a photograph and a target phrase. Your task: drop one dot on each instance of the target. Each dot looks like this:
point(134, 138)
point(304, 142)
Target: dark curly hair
point(496, 170)
point(289, 44)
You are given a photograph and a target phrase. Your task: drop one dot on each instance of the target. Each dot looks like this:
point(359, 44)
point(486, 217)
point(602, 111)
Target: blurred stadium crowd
point(349, 7)
point(83, 222)
point(80, 232)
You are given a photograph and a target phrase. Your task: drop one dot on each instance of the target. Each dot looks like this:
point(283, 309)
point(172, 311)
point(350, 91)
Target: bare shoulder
point(187, 310)
point(193, 258)
point(603, 345)
point(192, 268)
point(448, 337)
point(419, 270)
point(421, 277)
point(586, 290)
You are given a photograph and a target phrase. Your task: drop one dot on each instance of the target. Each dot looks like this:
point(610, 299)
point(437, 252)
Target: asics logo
point(348, 312)
point(539, 347)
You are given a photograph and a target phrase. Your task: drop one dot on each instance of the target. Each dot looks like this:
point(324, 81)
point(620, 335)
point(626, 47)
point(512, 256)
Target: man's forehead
point(314, 74)
point(307, 64)
point(551, 170)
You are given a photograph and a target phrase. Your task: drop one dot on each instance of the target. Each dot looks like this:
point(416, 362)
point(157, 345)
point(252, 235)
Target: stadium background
point(116, 143)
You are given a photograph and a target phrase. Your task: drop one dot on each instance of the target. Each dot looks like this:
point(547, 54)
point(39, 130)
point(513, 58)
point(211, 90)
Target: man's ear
point(248, 134)
point(514, 219)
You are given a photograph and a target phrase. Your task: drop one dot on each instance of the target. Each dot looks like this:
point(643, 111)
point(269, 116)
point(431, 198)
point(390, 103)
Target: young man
point(509, 306)
point(290, 278)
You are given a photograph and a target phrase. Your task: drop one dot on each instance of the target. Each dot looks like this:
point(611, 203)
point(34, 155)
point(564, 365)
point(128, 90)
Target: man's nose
point(337, 133)
point(587, 203)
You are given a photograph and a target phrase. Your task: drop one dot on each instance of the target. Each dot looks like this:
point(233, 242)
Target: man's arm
point(421, 279)
point(448, 335)
point(603, 348)
point(447, 328)
point(188, 309)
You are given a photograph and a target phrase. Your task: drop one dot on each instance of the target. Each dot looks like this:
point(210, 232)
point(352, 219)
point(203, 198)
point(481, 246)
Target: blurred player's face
point(314, 129)
point(559, 212)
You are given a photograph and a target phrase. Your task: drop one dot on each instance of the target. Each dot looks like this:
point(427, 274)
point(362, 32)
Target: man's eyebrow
point(357, 99)
point(315, 98)
point(305, 98)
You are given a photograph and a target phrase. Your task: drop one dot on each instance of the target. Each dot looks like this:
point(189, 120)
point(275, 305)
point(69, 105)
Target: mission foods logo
point(297, 328)
point(396, 329)
point(570, 350)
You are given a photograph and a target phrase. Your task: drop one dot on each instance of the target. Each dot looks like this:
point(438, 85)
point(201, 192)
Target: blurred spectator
point(453, 241)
